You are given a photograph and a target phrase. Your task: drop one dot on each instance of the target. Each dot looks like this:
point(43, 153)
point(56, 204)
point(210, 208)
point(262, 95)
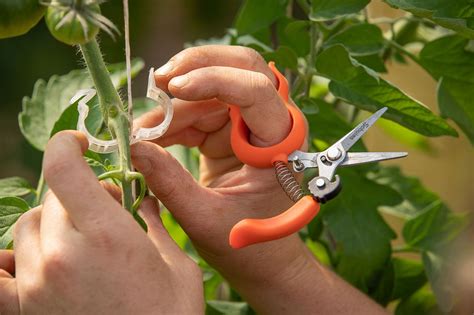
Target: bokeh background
point(160, 29)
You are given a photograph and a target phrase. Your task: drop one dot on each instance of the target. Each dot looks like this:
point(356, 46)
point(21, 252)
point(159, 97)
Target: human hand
point(82, 253)
point(274, 277)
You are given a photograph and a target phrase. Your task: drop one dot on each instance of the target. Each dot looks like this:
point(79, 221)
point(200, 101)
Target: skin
point(77, 255)
point(277, 277)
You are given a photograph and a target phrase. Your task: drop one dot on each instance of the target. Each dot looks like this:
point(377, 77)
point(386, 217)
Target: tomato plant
point(334, 56)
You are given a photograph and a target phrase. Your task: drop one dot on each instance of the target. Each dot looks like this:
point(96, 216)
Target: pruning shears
point(322, 188)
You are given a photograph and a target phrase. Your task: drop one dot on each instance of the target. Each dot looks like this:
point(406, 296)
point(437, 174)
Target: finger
point(169, 181)
point(195, 124)
point(261, 107)
point(26, 236)
point(56, 225)
point(150, 213)
point(8, 294)
point(113, 190)
point(7, 261)
point(74, 183)
point(212, 55)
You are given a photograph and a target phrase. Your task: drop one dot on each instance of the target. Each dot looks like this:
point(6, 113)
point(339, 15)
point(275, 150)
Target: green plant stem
point(113, 113)
point(40, 189)
point(315, 44)
point(405, 52)
point(405, 249)
point(304, 5)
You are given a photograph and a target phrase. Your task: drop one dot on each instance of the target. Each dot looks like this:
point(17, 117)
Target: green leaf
point(42, 110)
point(14, 187)
point(409, 277)
point(455, 101)
point(382, 292)
point(450, 60)
point(436, 270)
point(215, 307)
point(448, 57)
point(361, 86)
point(374, 62)
point(11, 208)
point(327, 125)
point(434, 228)
point(457, 15)
point(421, 302)
point(284, 56)
point(257, 14)
point(322, 10)
point(359, 39)
point(295, 34)
point(362, 236)
point(319, 251)
point(416, 198)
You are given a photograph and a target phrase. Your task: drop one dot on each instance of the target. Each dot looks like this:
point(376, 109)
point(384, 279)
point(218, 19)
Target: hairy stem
point(113, 113)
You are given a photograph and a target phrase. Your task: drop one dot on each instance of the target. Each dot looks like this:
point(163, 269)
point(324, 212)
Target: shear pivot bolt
point(334, 154)
point(320, 183)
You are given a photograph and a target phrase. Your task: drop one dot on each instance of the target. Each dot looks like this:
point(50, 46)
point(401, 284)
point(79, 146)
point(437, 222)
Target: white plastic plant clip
point(159, 96)
point(96, 145)
point(142, 134)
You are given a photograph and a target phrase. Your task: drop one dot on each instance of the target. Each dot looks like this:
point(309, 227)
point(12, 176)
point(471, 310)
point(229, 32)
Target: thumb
point(173, 185)
point(9, 303)
point(150, 213)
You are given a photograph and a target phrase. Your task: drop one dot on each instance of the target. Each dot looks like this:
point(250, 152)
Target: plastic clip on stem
point(252, 231)
point(142, 134)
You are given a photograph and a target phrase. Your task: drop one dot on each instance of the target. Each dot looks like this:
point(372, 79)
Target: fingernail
point(179, 82)
point(165, 69)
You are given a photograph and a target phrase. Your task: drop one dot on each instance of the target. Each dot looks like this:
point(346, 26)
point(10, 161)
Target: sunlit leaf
point(450, 60)
point(457, 15)
point(358, 85)
point(322, 10)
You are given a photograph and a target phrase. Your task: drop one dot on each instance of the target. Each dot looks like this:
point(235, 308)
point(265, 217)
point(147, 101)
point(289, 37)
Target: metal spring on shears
point(287, 181)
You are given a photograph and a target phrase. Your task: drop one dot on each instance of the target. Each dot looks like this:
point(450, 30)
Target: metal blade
point(355, 158)
point(348, 140)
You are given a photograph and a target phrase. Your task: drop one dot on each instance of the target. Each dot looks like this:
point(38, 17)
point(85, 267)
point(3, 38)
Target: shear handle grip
point(265, 157)
point(252, 231)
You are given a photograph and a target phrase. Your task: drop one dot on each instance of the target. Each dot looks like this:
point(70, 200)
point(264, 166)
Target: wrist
point(263, 263)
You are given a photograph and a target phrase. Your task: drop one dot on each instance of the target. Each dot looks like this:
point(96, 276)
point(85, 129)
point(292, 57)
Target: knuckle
point(263, 88)
point(56, 264)
point(25, 219)
point(256, 60)
point(105, 240)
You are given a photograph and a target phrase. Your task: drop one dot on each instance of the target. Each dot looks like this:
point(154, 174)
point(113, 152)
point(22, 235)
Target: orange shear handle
point(265, 157)
point(252, 231)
